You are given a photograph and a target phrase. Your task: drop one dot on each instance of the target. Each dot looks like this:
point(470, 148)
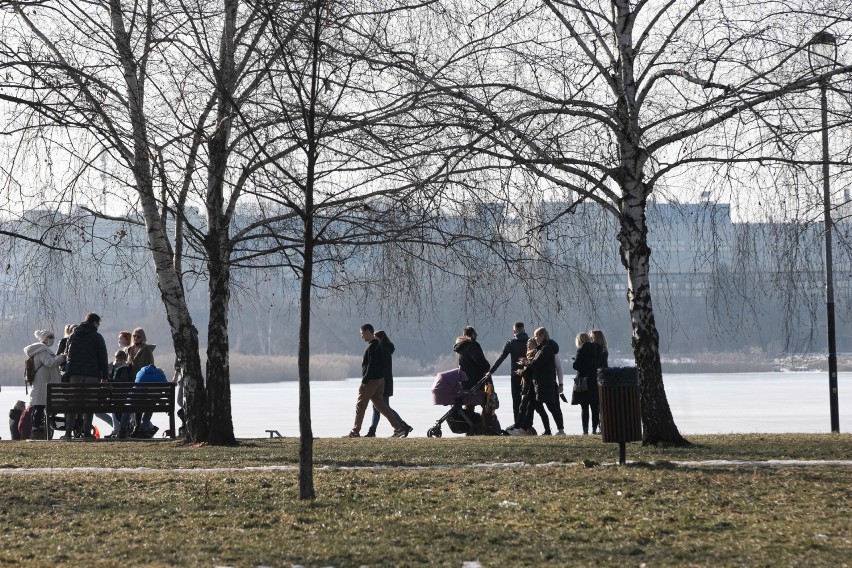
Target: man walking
point(86, 363)
point(373, 385)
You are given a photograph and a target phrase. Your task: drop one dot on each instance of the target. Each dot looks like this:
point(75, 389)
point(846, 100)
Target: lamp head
point(822, 52)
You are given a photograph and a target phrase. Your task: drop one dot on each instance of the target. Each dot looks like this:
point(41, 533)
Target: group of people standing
point(537, 378)
point(81, 358)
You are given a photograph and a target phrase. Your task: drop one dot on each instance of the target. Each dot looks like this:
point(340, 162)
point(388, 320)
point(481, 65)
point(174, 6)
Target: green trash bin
point(620, 407)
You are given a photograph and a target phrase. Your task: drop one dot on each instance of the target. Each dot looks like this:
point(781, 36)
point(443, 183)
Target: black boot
point(371, 432)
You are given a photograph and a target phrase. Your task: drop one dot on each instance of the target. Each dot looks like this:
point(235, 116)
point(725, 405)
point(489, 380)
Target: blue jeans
point(377, 414)
point(143, 421)
point(125, 422)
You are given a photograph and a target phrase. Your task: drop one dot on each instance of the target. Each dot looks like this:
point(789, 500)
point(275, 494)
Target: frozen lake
point(701, 404)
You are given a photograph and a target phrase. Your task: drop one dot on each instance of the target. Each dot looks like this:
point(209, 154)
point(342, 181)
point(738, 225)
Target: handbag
point(495, 402)
point(581, 384)
point(492, 403)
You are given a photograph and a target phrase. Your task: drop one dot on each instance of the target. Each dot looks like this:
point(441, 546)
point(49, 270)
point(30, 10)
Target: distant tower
point(844, 210)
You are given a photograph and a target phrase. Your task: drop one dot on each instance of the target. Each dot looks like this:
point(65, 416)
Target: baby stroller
point(447, 390)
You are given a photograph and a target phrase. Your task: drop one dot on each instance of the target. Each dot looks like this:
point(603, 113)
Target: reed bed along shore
point(338, 366)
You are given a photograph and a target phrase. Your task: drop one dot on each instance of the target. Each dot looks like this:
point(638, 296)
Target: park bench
point(65, 398)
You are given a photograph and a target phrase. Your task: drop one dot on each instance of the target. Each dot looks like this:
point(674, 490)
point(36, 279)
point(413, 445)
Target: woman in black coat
point(62, 348)
point(591, 356)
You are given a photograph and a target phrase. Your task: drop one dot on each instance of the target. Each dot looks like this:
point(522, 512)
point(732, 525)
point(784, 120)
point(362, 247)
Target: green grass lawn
point(553, 512)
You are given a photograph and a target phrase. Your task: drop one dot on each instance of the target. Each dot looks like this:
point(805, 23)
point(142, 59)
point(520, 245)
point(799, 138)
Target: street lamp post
point(822, 57)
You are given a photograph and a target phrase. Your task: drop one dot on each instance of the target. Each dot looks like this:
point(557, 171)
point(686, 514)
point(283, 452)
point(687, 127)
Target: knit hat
point(41, 334)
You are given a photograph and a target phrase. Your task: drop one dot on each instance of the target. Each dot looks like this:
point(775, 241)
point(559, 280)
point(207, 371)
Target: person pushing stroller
point(471, 359)
point(465, 388)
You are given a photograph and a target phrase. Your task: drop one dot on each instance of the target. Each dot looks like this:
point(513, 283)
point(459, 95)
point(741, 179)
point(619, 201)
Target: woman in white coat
point(46, 371)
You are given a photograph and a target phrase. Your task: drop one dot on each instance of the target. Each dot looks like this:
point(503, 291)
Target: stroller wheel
point(434, 432)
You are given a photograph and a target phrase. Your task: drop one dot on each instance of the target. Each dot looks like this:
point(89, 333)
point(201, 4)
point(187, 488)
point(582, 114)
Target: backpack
point(25, 423)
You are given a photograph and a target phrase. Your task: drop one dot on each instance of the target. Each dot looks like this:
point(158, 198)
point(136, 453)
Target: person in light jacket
point(46, 371)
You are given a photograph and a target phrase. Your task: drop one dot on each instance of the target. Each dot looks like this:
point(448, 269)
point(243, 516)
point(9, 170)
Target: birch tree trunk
point(184, 333)
point(657, 420)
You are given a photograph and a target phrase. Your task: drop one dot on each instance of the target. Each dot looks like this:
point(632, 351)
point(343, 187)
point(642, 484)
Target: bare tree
point(237, 123)
point(346, 166)
point(606, 102)
point(152, 87)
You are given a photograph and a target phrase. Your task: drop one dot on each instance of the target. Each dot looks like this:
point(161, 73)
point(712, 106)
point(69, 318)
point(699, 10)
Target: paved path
point(274, 468)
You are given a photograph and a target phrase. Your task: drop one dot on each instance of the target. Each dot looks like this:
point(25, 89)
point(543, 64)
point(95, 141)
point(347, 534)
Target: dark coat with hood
point(515, 348)
point(590, 357)
point(471, 360)
point(87, 353)
point(389, 348)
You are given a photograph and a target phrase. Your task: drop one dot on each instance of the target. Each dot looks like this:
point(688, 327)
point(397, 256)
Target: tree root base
point(678, 442)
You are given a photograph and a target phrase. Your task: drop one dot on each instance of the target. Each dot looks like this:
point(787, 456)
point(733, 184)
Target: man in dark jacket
point(471, 359)
point(516, 348)
point(372, 388)
point(86, 363)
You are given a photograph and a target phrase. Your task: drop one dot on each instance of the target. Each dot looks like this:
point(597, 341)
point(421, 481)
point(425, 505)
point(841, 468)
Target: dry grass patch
point(418, 451)
point(539, 515)
point(535, 516)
